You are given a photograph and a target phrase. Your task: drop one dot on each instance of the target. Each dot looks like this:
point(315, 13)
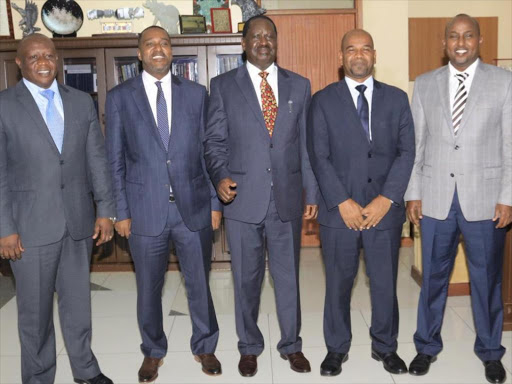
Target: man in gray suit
point(462, 184)
point(52, 166)
point(255, 150)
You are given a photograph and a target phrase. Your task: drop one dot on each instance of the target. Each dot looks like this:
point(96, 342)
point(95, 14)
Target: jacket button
point(370, 180)
point(456, 147)
point(61, 162)
point(452, 175)
point(62, 186)
point(369, 155)
point(271, 145)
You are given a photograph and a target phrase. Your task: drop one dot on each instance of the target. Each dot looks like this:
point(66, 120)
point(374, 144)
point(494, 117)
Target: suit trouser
point(62, 267)
point(484, 249)
point(247, 246)
point(340, 249)
point(151, 256)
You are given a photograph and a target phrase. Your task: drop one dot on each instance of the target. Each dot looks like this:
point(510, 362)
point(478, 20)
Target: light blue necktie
point(54, 120)
point(162, 118)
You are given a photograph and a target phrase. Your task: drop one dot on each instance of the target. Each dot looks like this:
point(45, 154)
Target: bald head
point(27, 41)
point(352, 33)
point(461, 17)
point(37, 59)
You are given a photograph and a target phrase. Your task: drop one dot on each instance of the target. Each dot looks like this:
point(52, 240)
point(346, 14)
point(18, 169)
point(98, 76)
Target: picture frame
point(241, 27)
point(6, 26)
point(221, 20)
point(192, 24)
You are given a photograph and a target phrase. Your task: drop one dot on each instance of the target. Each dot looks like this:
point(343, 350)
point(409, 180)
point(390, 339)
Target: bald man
point(361, 148)
point(52, 166)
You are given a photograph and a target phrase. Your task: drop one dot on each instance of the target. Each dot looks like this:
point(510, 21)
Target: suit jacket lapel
point(377, 102)
point(178, 107)
point(443, 86)
point(29, 104)
point(348, 102)
point(246, 87)
point(284, 84)
point(477, 87)
point(140, 99)
point(68, 114)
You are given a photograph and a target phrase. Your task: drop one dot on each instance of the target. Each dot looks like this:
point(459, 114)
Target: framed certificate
point(6, 28)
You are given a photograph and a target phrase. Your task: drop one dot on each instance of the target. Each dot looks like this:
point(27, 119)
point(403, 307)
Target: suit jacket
point(43, 192)
point(478, 160)
point(237, 145)
point(141, 167)
point(347, 165)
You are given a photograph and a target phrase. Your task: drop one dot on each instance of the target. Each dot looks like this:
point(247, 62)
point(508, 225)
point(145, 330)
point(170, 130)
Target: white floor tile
point(10, 368)
point(124, 303)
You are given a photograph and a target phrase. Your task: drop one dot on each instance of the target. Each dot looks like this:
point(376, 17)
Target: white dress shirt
point(368, 93)
point(454, 82)
point(152, 91)
point(256, 80)
point(41, 101)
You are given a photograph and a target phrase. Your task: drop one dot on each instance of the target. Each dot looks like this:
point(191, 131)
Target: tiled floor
point(116, 338)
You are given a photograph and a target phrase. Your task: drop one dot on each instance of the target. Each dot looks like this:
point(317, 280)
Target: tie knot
point(461, 76)
point(158, 85)
point(48, 94)
point(361, 88)
point(263, 75)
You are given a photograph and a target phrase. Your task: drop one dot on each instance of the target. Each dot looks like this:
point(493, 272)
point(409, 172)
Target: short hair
point(247, 24)
point(353, 32)
point(150, 27)
point(450, 23)
point(34, 36)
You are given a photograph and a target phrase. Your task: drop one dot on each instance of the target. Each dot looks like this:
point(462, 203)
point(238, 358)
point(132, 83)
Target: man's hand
point(123, 228)
point(413, 210)
point(216, 217)
point(504, 214)
point(10, 247)
point(103, 230)
point(226, 190)
point(351, 213)
point(311, 211)
point(375, 211)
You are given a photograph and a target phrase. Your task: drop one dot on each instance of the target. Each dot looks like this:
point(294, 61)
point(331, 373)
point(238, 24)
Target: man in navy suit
point(155, 125)
point(256, 155)
point(361, 147)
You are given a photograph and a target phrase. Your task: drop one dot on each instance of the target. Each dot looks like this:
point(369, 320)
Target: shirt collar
point(151, 79)
point(254, 70)
point(352, 84)
point(34, 88)
point(469, 70)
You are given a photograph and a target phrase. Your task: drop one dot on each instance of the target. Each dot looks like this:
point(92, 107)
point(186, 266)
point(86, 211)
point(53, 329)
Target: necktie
point(363, 110)
point(461, 95)
point(268, 103)
point(162, 118)
point(54, 120)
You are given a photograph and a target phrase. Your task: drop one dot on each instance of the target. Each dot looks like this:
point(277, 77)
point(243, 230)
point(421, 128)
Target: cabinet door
point(84, 69)
point(223, 58)
point(121, 64)
point(190, 63)
point(9, 71)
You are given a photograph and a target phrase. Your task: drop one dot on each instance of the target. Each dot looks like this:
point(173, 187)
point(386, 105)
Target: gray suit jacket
point(478, 161)
point(43, 192)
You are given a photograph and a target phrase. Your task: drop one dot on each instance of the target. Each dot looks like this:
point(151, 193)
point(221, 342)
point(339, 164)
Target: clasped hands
point(359, 218)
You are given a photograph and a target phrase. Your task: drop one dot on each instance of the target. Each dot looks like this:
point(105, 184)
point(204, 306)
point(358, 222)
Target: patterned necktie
point(461, 95)
point(162, 118)
point(268, 103)
point(363, 110)
point(54, 120)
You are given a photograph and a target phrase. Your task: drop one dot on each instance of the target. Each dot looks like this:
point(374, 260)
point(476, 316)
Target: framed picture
point(6, 28)
point(241, 27)
point(221, 20)
point(203, 7)
point(192, 24)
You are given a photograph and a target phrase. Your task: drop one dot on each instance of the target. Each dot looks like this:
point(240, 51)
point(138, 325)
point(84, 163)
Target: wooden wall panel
point(425, 43)
point(310, 44)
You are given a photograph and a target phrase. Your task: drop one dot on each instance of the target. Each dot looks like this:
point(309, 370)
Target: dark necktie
point(363, 110)
point(459, 102)
point(162, 118)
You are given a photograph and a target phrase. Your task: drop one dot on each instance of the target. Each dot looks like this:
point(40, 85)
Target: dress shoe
point(100, 379)
point(420, 364)
point(248, 365)
point(148, 371)
point(209, 363)
point(391, 361)
point(298, 362)
point(494, 372)
point(331, 366)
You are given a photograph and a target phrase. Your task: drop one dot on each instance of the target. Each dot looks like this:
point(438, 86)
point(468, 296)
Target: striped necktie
point(54, 120)
point(162, 118)
point(461, 95)
point(268, 103)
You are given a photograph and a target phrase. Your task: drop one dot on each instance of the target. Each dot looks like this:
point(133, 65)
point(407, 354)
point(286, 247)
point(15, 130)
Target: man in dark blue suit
point(256, 155)
point(155, 126)
point(361, 147)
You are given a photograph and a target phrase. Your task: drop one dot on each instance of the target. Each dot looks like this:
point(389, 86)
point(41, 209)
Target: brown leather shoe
point(248, 365)
point(148, 371)
point(298, 362)
point(211, 366)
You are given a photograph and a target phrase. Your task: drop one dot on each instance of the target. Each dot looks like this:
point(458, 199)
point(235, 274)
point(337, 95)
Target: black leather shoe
point(391, 361)
point(331, 366)
point(494, 372)
point(100, 379)
point(420, 364)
